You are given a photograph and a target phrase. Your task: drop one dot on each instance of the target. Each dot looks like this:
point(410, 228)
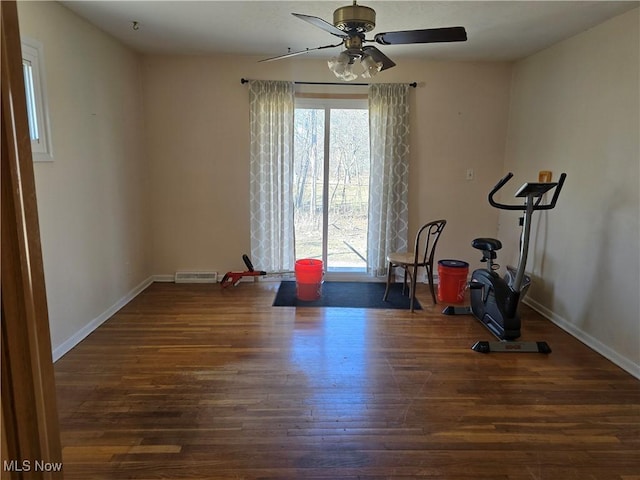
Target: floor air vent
point(196, 277)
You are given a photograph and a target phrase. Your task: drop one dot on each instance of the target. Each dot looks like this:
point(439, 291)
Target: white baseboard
point(81, 334)
point(602, 349)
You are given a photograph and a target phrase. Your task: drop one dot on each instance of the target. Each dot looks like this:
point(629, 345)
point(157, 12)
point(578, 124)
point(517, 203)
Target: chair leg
point(404, 282)
point(386, 290)
point(412, 291)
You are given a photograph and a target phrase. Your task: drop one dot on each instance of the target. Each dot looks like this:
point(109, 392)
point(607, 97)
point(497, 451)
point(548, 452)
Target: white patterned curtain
point(271, 175)
point(388, 185)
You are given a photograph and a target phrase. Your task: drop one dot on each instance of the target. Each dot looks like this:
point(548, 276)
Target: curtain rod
point(414, 84)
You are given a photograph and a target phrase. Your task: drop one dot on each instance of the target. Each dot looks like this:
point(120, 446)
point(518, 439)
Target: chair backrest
point(426, 241)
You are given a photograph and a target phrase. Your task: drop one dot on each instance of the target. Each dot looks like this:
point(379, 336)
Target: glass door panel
point(308, 180)
point(348, 195)
point(331, 186)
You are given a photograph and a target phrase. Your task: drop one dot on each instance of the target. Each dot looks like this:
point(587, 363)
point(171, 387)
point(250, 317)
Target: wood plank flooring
point(197, 382)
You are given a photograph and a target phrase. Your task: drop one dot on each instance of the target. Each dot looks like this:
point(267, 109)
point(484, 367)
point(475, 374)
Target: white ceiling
point(497, 30)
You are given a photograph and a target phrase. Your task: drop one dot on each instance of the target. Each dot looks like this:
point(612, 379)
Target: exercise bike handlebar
point(556, 194)
point(549, 206)
point(495, 189)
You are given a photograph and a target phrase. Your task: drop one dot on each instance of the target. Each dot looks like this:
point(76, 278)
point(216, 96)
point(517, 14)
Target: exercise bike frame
point(531, 192)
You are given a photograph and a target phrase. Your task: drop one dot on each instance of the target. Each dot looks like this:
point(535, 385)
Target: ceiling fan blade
point(378, 56)
point(293, 54)
point(429, 35)
point(320, 23)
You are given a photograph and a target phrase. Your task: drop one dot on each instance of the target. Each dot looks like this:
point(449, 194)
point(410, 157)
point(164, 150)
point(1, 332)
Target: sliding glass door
point(331, 182)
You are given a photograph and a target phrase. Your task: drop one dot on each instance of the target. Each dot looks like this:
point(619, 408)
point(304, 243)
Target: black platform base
point(511, 347)
point(451, 310)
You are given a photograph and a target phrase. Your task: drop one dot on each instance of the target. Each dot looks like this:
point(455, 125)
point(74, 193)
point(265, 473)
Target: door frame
point(30, 431)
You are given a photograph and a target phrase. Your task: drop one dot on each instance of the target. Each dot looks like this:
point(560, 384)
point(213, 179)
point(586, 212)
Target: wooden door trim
point(30, 430)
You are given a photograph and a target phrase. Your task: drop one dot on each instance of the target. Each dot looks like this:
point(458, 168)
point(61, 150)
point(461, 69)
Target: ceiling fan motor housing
point(355, 18)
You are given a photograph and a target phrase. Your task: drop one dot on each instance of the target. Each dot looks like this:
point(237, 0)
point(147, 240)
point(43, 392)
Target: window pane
point(31, 100)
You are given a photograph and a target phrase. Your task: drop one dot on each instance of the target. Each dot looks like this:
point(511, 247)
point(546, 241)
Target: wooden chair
point(422, 256)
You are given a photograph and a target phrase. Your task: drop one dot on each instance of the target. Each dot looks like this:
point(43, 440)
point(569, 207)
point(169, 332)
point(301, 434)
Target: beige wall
point(198, 142)
point(574, 109)
point(92, 197)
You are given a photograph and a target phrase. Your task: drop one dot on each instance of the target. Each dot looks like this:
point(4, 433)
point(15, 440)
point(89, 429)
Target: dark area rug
point(347, 295)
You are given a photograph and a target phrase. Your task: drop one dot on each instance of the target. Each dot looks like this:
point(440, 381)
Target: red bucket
point(452, 280)
point(309, 273)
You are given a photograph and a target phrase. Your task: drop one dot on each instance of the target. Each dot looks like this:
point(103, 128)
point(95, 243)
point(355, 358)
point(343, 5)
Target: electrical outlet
point(469, 173)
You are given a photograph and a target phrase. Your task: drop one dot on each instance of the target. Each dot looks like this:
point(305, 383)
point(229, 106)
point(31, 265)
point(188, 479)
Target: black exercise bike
point(494, 300)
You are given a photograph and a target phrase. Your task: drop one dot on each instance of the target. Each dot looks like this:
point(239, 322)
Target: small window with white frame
point(37, 112)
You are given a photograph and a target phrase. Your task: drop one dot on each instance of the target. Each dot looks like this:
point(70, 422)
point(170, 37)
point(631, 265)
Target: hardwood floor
point(197, 382)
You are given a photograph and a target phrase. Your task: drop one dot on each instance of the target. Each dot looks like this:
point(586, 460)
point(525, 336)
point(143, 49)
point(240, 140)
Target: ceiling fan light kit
point(342, 67)
point(371, 67)
point(347, 68)
point(351, 23)
point(354, 61)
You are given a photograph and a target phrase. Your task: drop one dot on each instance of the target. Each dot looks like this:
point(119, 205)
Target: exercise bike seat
point(487, 244)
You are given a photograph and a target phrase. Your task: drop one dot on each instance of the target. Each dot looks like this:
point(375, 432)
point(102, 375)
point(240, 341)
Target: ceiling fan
point(350, 24)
